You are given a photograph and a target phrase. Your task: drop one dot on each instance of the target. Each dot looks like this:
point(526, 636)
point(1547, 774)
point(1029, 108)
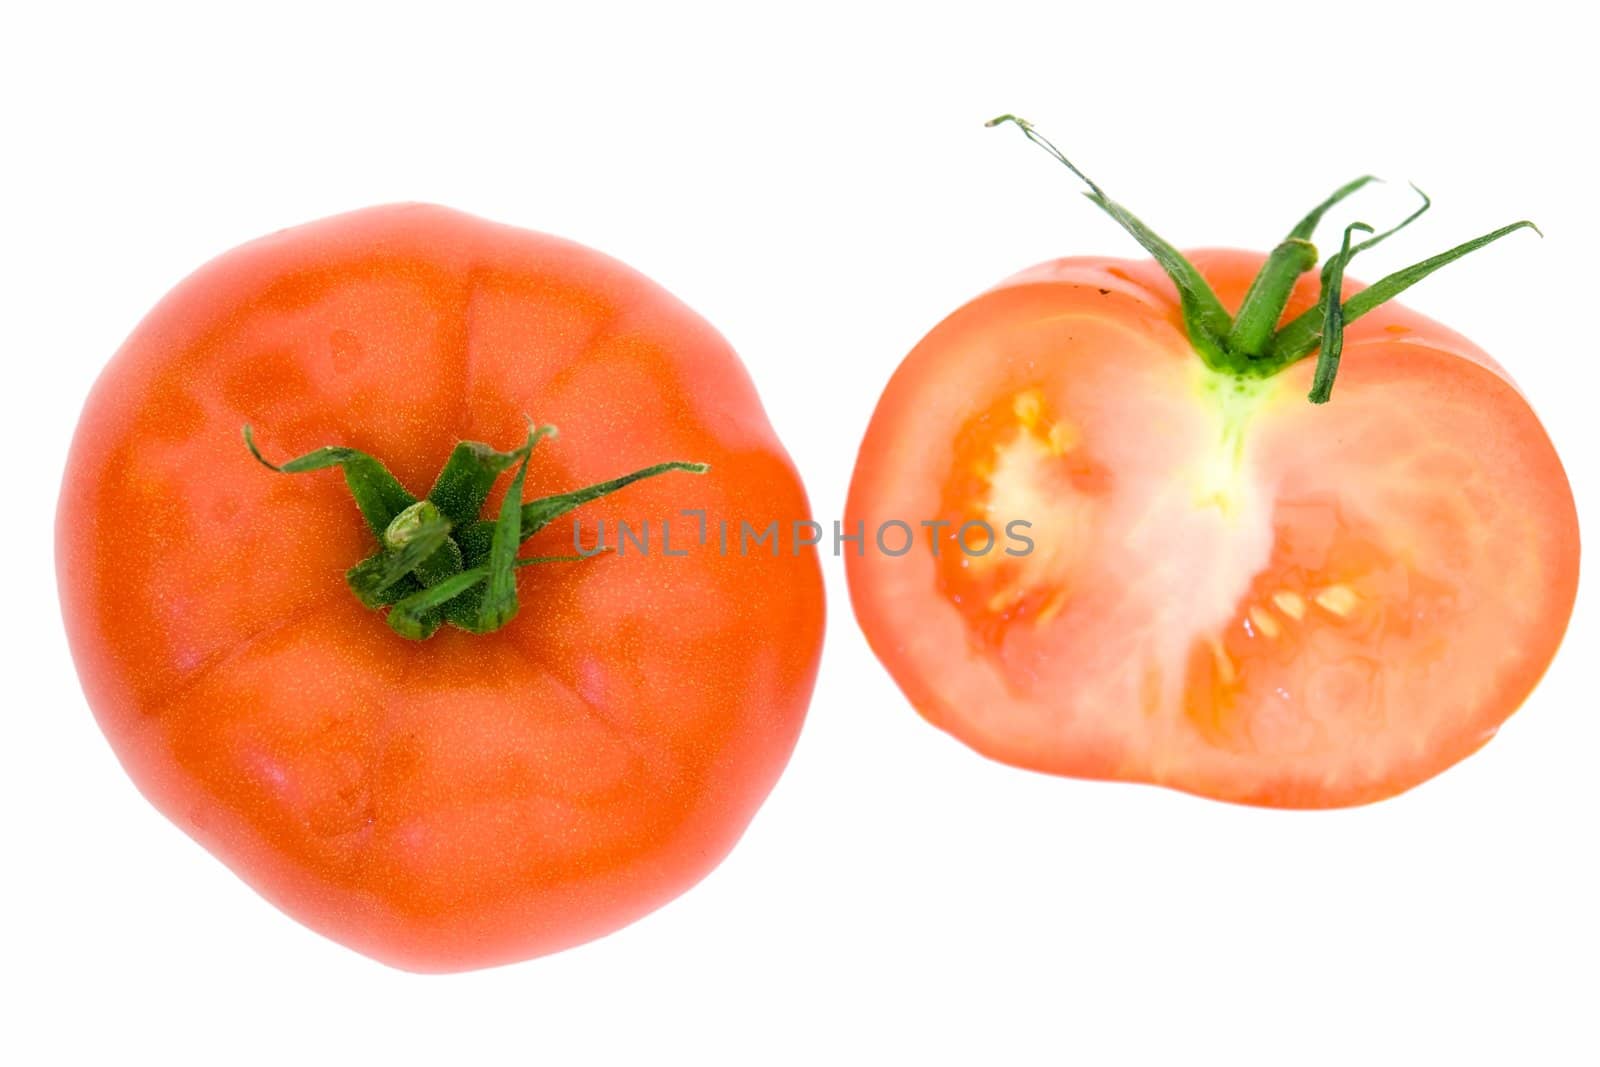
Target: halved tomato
point(1229, 591)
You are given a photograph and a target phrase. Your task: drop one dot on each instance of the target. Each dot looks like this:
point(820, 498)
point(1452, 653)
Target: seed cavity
point(1059, 437)
point(1339, 600)
point(1052, 608)
point(1062, 438)
point(1227, 673)
point(1028, 407)
point(1265, 624)
point(1290, 603)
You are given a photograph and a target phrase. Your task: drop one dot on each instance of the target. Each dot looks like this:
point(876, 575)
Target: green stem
point(500, 591)
point(379, 495)
point(1206, 320)
point(1252, 345)
point(1269, 294)
point(1333, 319)
point(415, 535)
point(418, 616)
point(537, 514)
point(1300, 337)
point(437, 561)
point(1327, 268)
point(463, 485)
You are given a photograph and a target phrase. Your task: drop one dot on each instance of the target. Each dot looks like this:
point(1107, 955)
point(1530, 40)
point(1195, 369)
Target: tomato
point(1230, 592)
point(471, 798)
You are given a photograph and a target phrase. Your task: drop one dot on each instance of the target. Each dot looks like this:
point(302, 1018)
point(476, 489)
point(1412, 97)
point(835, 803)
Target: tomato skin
point(1095, 669)
point(469, 800)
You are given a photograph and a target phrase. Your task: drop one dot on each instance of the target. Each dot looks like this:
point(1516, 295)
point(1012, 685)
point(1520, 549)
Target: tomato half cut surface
point(1230, 591)
point(442, 783)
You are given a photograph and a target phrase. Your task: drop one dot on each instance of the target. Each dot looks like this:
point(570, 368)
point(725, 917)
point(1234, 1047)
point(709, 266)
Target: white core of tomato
point(1188, 549)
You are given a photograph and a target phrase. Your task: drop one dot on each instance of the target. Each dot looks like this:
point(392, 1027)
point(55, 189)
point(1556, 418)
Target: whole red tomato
point(441, 782)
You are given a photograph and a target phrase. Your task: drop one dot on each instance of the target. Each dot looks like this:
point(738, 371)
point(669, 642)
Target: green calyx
point(438, 561)
point(1254, 343)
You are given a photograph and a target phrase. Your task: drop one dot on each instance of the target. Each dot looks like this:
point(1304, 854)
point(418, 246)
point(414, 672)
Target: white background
point(815, 180)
